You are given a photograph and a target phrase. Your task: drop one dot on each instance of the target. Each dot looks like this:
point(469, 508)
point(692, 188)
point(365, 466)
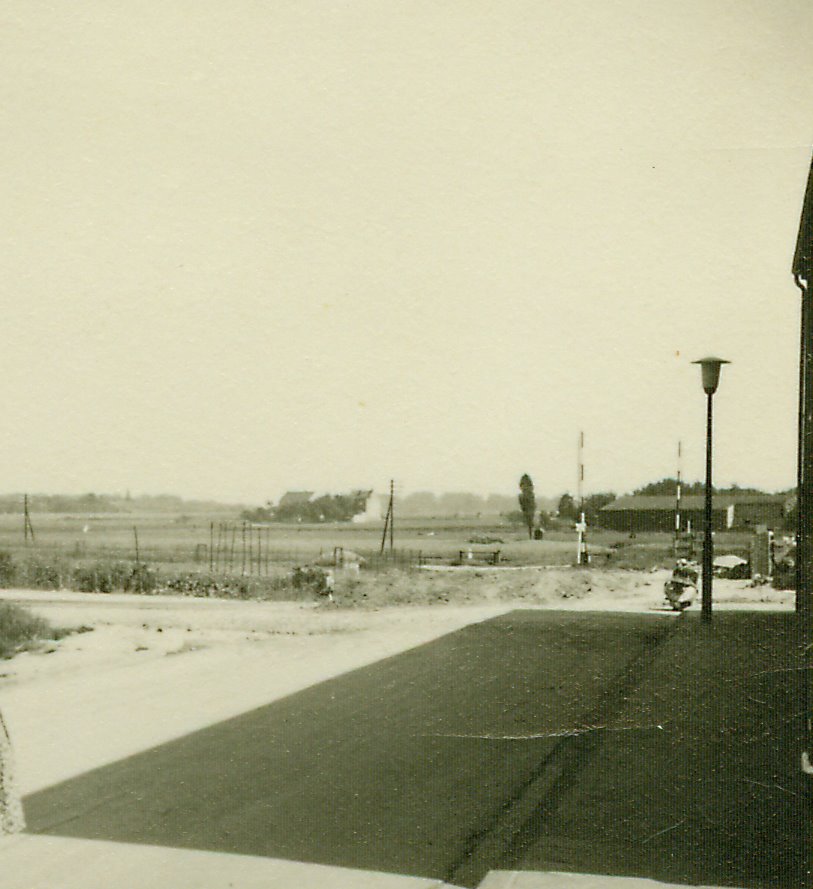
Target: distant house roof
point(643, 502)
point(295, 498)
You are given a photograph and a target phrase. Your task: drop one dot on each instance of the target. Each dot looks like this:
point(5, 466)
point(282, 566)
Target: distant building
point(292, 499)
point(373, 511)
point(729, 512)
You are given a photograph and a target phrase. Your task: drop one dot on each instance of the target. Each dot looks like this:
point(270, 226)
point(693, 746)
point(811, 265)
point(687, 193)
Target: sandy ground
point(150, 669)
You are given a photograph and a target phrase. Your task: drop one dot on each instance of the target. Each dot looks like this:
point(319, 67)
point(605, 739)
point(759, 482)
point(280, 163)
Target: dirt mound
point(550, 587)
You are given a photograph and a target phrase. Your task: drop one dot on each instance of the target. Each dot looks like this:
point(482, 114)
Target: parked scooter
point(681, 588)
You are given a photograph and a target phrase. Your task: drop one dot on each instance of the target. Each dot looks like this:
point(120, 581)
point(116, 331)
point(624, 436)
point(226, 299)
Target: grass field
point(221, 544)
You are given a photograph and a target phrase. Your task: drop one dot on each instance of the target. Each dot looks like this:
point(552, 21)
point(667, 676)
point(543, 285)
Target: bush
point(36, 573)
point(313, 579)
point(108, 577)
point(8, 570)
point(19, 629)
point(143, 579)
point(281, 587)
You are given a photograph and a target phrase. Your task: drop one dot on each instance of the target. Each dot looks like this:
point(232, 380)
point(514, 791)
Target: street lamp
point(710, 368)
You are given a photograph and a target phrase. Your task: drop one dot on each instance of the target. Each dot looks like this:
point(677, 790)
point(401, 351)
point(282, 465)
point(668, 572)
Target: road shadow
point(428, 763)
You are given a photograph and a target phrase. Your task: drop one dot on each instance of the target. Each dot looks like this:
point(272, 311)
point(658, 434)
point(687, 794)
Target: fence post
point(243, 561)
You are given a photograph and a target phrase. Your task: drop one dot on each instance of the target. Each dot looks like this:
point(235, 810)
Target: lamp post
point(710, 368)
point(803, 276)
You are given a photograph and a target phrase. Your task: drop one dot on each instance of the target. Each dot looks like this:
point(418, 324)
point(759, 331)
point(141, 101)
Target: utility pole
point(392, 516)
point(389, 521)
point(28, 528)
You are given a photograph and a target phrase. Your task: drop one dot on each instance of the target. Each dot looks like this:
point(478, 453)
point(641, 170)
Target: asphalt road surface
point(445, 761)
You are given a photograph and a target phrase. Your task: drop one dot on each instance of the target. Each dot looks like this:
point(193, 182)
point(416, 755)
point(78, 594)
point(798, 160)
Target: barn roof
point(294, 498)
point(652, 502)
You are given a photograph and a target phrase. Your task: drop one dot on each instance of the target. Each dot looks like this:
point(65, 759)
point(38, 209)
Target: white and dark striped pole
point(581, 526)
point(677, 497)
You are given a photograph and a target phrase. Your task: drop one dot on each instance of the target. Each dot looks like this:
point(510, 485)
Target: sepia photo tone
point(407, 456)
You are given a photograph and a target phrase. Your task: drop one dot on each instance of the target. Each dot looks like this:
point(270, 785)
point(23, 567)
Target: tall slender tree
point(527, 502)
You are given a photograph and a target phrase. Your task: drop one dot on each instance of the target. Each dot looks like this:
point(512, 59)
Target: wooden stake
point(243, 565)
point(28, 528)
point(392, 515)
point(386, 526)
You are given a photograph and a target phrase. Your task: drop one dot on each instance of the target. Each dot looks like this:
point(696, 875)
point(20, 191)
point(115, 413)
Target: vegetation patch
point(277, 588)
point(20, 630)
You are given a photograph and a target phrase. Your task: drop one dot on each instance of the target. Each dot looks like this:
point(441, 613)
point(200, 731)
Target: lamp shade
point(710, 368)
point(803, 258)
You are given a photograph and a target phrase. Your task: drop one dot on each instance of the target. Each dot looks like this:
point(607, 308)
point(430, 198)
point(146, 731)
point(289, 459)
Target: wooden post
point(392, 516)
point(28, 528)
point(135, 537)
point(386, 526)
point(211, 547)
point(267, 547)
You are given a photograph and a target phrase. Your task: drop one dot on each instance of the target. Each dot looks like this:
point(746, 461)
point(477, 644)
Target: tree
point(527, 502)
point(594, 503)
point(567, 507)
point(421, 503)
point(667, 487)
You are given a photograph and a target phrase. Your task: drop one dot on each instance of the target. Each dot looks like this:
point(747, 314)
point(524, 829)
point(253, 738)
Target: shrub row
point(107, 576)
point(228, 586)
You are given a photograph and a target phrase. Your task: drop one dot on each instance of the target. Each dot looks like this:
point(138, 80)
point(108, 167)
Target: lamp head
point(710, 368)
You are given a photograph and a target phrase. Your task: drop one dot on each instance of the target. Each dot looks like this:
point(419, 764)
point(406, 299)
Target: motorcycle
point(681, 588)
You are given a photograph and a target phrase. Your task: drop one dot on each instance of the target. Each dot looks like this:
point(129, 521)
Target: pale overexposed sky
point(253, 246)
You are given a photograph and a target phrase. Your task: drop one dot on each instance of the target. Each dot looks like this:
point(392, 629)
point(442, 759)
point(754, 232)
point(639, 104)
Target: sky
point(257, 246)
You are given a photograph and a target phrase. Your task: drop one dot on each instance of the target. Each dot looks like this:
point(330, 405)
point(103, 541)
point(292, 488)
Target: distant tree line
point(85, 504)
point(569, 509)
point(420, 504)
point(326, 508)
point(425, 504)
point(82, 503)
point(668, 486)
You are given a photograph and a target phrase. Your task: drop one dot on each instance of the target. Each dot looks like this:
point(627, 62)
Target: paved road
point(436, 762)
